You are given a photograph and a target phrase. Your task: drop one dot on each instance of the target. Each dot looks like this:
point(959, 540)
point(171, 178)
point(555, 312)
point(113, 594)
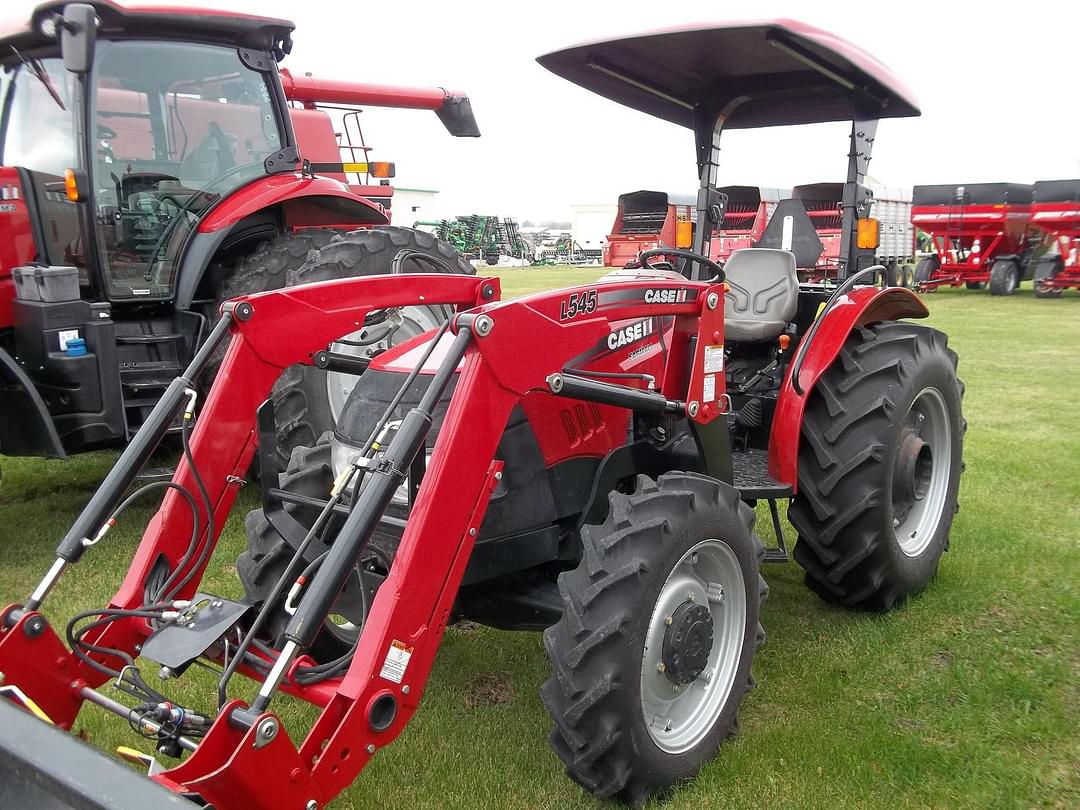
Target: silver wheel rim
point(928, 417)
point(1010, 280)
point(679, 716)
point(402, 324)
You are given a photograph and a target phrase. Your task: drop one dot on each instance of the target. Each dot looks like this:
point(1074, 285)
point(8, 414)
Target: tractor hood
point(133, 19)
point(756, 74)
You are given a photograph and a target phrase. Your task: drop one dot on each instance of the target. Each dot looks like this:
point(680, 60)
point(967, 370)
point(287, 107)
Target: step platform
point(752, 479)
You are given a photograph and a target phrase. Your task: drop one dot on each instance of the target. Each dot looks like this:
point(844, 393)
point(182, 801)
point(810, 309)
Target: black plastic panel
point(973, 194)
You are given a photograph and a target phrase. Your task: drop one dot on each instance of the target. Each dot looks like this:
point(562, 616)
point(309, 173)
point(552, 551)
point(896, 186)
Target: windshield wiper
point(38, 71)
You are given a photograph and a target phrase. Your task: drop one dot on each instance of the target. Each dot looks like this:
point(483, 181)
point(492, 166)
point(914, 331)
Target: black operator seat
point(763, 294)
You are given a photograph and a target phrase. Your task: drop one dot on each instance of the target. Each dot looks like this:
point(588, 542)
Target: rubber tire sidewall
point(915, 572)
point(999, 272)
point(619, 655)
point(832, 549)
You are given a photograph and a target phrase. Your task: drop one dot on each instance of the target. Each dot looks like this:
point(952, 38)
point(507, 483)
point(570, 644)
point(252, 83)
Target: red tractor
point(582, 462)
point(1055, 217)
point(154, 163)
point(980, 236)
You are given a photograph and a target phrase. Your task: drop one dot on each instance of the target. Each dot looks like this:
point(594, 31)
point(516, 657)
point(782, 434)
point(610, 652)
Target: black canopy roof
point(786, 72)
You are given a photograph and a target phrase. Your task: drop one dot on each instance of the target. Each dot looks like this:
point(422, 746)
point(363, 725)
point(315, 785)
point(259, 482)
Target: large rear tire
point(309, 474)
point(1004, 277)
point(879, 467)
point(652, 655)
point(307, 400)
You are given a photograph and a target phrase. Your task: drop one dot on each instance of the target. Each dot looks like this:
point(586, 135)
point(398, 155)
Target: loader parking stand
point(581, 462)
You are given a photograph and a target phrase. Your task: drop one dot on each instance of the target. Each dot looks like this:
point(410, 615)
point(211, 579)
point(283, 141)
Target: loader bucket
point(44, 768)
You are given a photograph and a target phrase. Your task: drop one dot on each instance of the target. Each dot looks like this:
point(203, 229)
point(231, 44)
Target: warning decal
point(709, 394)
point(714, 359)
point(397, 659)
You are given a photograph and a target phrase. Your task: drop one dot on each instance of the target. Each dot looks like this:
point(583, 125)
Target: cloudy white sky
point(997, 83)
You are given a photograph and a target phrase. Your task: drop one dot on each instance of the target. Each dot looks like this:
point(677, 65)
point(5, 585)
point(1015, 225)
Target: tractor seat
point(763, 294)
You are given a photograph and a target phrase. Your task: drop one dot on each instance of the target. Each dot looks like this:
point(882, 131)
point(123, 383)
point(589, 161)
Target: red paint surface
point(999, 230)
point(282, 188)
point(17, 244)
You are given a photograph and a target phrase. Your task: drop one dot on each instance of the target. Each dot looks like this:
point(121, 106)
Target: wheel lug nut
point(667, 621)
point(693, 558)
point(661, 667)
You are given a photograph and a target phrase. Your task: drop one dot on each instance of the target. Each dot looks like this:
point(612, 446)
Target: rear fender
point(861, 306)
point(26, 427)
point(303, 202)
point(306, 201)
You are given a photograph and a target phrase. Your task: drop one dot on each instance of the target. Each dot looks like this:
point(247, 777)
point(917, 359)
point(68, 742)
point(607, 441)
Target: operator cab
point(172, 115)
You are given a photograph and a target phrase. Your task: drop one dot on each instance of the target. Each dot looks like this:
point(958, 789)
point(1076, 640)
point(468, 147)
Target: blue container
point(76, 347)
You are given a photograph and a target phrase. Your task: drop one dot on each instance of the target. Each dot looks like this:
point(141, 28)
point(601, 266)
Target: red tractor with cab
point(582, 461)
point(154, 163)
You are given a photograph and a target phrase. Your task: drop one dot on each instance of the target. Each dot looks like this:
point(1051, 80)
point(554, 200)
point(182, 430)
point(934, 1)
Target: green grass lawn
point(967, 697)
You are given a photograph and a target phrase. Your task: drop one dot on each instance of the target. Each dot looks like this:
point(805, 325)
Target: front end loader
point(581, 461)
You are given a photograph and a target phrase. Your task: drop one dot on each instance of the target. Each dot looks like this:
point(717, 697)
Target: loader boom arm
point(246, 759)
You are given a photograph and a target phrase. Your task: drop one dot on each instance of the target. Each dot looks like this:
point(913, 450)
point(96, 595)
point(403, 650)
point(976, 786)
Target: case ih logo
point(670, 296)
point(630, 334)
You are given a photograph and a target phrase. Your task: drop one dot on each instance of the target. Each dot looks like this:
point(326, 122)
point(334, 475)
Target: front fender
point(26, 427)
point(861, 306)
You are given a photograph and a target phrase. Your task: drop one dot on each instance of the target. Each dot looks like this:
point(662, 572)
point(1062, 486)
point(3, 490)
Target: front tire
point(640, 703)
point(879, 467)
point(1004, 277)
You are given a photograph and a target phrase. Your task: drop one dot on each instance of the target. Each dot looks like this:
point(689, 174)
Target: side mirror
point(79, 33)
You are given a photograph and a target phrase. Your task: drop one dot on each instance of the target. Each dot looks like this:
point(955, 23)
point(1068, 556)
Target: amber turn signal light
point(71, 185)
point(868, 233)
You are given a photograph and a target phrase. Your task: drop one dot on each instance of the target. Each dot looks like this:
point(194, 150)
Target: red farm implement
point(645, 220)
point(650, 219)
point(1055, 216)
point(581, 462)
point(979, 232)
point(890, 209)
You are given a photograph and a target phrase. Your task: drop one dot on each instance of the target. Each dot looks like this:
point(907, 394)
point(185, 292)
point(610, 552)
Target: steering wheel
point(645, 255)
point(105, 133)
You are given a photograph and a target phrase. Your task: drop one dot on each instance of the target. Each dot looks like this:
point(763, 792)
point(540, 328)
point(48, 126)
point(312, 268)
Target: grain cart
point(1055, 217)
point(153, 163)
point(979, 232)
point(579, 461)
